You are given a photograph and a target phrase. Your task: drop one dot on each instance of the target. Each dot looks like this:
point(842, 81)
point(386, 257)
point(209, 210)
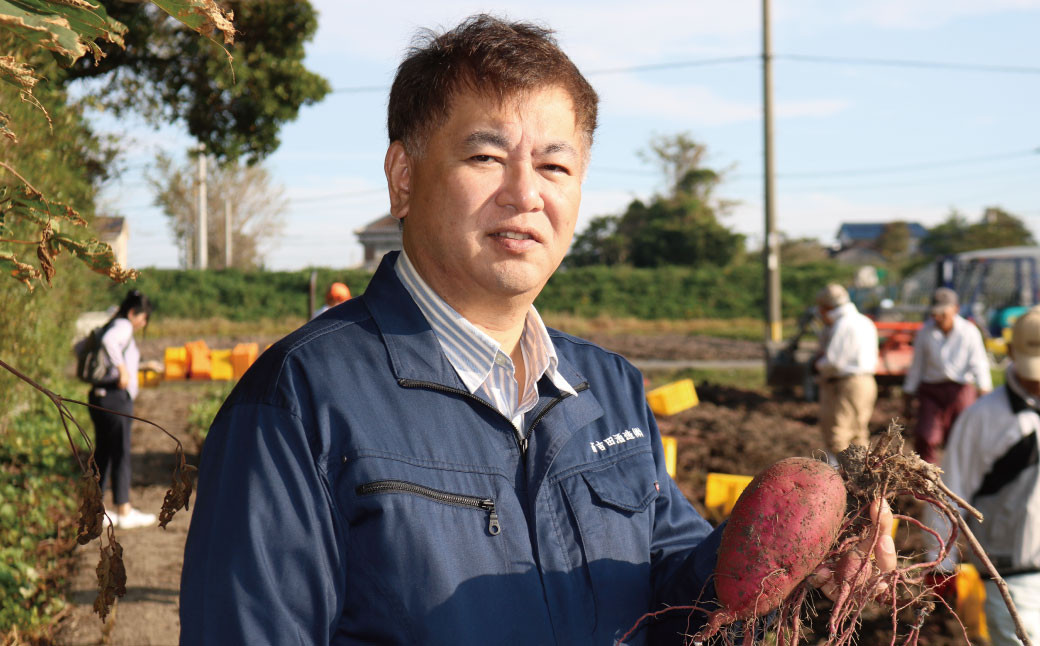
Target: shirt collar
point(469, 350)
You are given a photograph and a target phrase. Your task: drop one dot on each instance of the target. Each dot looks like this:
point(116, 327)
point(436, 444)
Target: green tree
point(801, 251)
point(168, 74)
point(894, 242)
point(996, 228)
point(680, 227)
point(598, 244)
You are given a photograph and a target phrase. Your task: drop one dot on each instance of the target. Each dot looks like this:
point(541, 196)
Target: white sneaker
point(133, 519)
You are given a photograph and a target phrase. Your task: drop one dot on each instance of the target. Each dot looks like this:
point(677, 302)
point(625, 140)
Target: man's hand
point(849, 569)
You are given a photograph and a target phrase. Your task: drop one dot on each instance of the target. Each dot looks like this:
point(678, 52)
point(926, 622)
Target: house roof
point(111, 225)
point(380, 224)
point(873, 230)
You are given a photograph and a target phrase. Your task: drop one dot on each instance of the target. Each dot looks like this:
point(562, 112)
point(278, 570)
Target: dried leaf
point(179, 495)
point(91, 507)
point(61, 228)
point(111, 574)
point(204, 16)
point(20, 271)
point(45, 254)
point(4, 129)
point(23, 78)
point(66, 27)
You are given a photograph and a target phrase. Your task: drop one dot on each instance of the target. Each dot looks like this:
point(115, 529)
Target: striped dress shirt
point(479, 361)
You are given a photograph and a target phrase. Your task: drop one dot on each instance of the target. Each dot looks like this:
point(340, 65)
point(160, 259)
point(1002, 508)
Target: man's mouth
point(513, 235)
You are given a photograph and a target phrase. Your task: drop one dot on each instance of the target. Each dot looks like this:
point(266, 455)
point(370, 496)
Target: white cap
point(831, 296)
point(1025, 345)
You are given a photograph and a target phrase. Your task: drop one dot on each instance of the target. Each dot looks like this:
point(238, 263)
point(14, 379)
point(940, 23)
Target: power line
point(336, 196)
point(799, 58)
point(360, 89)
point(900, 168)
point(912, 183)
point(674, 65)
point(897, 62)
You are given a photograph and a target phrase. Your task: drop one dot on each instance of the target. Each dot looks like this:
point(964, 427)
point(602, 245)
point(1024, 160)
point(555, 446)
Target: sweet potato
point(782, 527)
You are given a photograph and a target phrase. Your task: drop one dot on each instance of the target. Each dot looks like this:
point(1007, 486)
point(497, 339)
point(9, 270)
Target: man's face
point(944, 318)
point(491, 203)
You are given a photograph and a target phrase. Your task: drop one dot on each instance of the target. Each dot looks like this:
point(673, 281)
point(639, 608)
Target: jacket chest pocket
point(612, 516)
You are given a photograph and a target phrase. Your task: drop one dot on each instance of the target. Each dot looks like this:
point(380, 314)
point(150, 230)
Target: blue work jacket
point(352, 491)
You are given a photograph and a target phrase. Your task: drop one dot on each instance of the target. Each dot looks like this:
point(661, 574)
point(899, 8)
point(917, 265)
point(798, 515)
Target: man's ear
point(397, 167)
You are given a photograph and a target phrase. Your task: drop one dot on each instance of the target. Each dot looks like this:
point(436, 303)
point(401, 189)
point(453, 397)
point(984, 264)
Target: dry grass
point(221, 327)
point(740, 328)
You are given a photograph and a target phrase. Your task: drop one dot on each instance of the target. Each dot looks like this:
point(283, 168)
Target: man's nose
point(520, 189)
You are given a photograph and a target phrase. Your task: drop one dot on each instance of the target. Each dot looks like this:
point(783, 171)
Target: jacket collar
point(414, 350)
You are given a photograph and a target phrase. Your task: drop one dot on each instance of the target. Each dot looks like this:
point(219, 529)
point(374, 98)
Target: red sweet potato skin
point(781, 528)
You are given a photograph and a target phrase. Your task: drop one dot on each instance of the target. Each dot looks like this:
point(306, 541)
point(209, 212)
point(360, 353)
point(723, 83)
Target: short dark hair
point(486, 55)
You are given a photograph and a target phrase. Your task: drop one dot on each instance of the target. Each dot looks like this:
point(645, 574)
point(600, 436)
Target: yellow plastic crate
point(148, 378)
point(672, 398)
point(670, 453)
point(221, 367)
point(971, 602)
point(175, 361)
point(721, 493)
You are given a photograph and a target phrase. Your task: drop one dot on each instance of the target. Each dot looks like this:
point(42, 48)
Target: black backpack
point(93, 365)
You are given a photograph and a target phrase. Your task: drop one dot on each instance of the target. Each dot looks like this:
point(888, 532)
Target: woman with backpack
point(117, 393)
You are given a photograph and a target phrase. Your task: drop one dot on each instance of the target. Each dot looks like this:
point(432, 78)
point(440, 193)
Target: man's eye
point(556, 168)
point(482, 158)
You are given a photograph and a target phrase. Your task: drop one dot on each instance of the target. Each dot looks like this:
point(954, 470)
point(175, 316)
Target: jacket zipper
point(459, 500)
point(518, 434)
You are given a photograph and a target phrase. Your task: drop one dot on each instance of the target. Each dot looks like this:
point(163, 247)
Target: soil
point(732, 430)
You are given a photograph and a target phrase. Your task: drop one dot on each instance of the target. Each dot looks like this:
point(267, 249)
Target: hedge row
point(660, 293)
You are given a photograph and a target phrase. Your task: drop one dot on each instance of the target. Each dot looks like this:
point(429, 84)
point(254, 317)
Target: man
point(991, 461)
point(949, 371)
point(427, 463)
point(846, 369)
point(337, 293)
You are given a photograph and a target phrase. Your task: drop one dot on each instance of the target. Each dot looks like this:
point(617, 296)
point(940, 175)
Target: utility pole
point(771, 241)
point(227, 232)
point(202, 254)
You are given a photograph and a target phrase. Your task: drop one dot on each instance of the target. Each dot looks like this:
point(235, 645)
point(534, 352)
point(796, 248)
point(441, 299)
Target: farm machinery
point(994, 287)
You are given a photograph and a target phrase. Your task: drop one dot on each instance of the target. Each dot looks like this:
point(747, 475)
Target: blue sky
point(854, 142)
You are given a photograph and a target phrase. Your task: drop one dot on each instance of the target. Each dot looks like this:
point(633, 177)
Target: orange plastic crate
point(242, 356)
point(199, 363)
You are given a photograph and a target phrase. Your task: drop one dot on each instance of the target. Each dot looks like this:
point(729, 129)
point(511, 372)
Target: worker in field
point(428, 463)
point(991, 461)
point(949, 371)
point(845, 368)
point(337, 293)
